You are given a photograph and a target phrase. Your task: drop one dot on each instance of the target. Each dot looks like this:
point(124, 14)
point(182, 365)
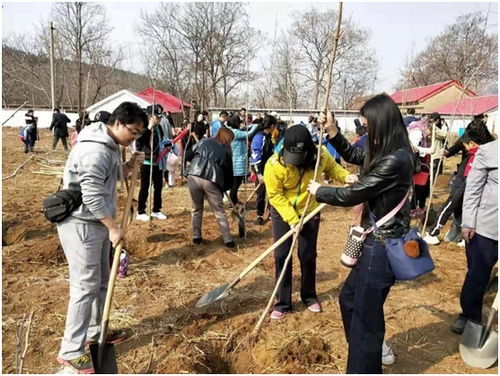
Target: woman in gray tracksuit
point(94, 167)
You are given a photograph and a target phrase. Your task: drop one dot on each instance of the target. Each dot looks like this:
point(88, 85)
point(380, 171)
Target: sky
point(398, 30)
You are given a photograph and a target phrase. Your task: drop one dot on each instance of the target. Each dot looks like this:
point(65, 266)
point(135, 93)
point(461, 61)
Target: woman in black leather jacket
point(210, 175)
point(386, 177)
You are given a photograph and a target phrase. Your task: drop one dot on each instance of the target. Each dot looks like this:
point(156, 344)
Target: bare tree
point(84, 29)
point(202, 46)
point(353, 65)
point(454, 54)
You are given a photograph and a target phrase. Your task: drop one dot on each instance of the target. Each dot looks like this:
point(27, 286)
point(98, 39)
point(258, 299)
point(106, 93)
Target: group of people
point(283, 160)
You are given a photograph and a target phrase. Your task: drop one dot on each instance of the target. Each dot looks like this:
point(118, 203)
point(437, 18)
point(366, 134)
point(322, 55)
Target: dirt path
point(155, 303)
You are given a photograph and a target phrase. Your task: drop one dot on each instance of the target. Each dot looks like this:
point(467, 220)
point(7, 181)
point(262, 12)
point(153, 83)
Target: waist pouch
point(59, 206)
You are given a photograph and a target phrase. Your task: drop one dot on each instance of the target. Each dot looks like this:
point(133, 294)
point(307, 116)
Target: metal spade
point(479, 343)
point(222, 291)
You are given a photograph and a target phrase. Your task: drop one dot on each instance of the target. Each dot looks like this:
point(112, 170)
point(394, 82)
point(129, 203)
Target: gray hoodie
point(93, 167)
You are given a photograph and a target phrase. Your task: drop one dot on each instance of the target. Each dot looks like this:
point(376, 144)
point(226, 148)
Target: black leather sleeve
point(348, 152)
point(383, 177)
point(455, 149)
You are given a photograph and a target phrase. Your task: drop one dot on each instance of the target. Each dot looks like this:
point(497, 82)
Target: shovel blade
point(241, 228)
point(213, 296)
point(106, 365)
point(477, 348)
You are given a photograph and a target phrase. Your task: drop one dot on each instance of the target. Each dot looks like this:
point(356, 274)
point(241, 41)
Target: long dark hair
point(386, 130)
point(482, 130)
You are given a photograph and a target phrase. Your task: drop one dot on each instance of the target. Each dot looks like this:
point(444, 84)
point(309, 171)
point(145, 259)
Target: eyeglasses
point(136, 133)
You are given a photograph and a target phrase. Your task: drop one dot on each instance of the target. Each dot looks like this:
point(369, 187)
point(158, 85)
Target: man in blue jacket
point(220, 122)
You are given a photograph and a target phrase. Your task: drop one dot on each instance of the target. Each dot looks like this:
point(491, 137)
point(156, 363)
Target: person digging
point(93, 167)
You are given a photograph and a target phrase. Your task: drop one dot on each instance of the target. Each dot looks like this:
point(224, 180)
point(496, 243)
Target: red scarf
point(472, 155)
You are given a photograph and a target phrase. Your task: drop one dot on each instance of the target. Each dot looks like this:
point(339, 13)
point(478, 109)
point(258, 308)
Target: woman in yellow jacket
point(286, 177)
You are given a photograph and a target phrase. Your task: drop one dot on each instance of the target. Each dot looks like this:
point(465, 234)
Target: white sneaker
point(432, 240)
point(461, 243)
point(388, 357)
point(142, 217)
point(159, 215)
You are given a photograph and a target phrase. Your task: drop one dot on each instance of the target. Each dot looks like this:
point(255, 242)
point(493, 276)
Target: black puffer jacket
point(212, 161)
point(383, 187)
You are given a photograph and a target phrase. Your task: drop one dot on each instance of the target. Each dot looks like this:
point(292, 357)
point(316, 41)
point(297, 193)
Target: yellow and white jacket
point(287, 189)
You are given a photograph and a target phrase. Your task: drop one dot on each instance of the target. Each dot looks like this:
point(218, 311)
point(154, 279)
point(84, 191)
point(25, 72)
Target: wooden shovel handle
point(118, 248)
point(253, 192)
point(233, 207)
point(278, 243)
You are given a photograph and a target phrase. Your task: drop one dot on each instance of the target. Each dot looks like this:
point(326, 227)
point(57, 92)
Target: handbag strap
point(388, 216)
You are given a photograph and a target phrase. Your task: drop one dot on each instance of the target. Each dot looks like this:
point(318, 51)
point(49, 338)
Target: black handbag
point(59, 206)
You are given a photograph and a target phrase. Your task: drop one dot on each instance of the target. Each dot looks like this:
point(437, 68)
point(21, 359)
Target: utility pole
point(52, 74)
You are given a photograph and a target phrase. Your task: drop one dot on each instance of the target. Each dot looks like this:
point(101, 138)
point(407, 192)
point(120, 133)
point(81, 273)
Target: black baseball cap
point(102, 116)
point(297, 143)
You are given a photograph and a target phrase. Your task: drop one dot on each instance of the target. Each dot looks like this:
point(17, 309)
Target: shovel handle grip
point(277, 244)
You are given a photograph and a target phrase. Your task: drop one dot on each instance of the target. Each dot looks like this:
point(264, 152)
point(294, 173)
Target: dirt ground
point(167, 276)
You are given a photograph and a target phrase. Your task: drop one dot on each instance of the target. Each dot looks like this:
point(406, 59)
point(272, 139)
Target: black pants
point(420, 195)
point(55, 140)
point(261, 199)
point(233, 194)
point(144, 191)
point(482, 254)
point(307, 256)
point(29, 144)
point(452, 205)
point(362, 301)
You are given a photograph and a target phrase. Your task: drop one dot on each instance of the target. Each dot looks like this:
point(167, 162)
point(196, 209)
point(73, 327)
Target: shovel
point(103, 354)
point(253, 193)
point(241, 221)
point(479, 344)
point(222, 291)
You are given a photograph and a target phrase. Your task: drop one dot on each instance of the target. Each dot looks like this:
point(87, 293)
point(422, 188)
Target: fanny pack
point(59, 206)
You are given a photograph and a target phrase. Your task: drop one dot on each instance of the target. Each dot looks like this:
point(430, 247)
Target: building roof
point(110, 102)
point(168, 101)
point(418, 94)
point(470, 106)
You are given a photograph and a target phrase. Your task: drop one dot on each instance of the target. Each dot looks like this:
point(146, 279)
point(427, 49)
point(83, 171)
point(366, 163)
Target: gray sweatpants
point(198, 188)
point(86, 246)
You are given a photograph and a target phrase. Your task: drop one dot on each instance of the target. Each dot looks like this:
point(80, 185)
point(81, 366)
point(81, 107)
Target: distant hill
point(26, 77)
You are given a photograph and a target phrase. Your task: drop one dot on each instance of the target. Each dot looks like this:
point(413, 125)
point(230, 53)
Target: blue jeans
point(362, 306)
point(482, 254)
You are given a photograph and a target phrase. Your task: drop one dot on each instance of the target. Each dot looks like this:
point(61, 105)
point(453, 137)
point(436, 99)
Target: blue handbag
point(403, 266)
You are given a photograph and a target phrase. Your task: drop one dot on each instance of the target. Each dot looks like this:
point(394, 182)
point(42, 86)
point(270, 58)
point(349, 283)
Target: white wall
point(44, 117)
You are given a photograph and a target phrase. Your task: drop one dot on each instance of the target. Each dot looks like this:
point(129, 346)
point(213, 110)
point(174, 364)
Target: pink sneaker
point(277, 315)
point(315, 307)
